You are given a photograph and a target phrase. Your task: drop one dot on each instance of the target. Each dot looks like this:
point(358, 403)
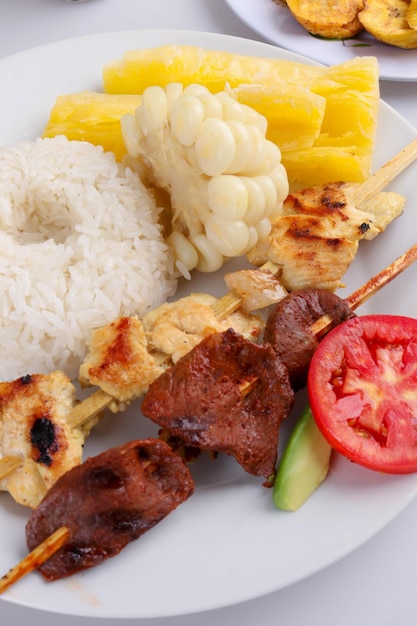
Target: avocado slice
point(303, 466)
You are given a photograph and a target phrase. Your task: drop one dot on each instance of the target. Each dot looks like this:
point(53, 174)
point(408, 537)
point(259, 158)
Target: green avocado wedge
point(303, 466)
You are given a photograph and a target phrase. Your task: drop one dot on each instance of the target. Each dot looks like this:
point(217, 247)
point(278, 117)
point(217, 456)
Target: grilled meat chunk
point(228, 395)
point(118, 361)
point(107, 502)
point(33, 426)
point(126, 355)
point(258, 288)
point(174, 328)
point(317, 234)
point(288, 328)
point(335, 204)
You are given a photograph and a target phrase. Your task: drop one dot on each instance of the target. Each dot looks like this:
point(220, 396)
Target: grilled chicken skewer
point(27, 485)
point(316, 235)
point(34, 428)
point(43, 428)
point(366, 226)
point(229, 395)
point(104, 397)
point(55, 542)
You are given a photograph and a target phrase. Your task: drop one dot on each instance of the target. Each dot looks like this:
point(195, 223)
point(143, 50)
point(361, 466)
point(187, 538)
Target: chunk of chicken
point(33, 427)
point(258, 288)
point(125, 356)
point(118, 361)
point(174, 328)
point(316, 237)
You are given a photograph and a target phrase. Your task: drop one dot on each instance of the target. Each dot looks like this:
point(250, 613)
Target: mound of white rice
point(80, 245)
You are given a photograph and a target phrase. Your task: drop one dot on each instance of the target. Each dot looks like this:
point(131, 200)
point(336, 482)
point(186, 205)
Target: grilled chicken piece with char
point(118, 361)
point(316, 237)
point(107, 502)
point(227, 395)
point(126, 355)
point(33, 427)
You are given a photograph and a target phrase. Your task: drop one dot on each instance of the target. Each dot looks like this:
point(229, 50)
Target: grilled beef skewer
point(289, 328)
point(293, 330)
point(208, 401)
point(107, 502)
point(231, 395)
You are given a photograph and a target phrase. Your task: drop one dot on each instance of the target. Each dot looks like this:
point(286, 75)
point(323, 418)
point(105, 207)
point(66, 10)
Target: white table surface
point(375, 585)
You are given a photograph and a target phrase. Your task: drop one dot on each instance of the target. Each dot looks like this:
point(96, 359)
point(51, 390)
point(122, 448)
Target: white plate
point(276, 24)
point(227, 543)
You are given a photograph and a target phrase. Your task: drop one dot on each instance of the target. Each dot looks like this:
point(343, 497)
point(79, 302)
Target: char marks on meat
point(228, 395)
point(288, 328)
point(107, 502)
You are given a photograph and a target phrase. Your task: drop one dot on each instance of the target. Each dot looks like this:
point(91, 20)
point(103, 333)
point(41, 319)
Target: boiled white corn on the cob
point(209, 155)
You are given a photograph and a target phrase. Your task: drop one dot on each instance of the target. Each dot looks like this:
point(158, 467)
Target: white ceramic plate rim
point(227, 544)
point(275, 24)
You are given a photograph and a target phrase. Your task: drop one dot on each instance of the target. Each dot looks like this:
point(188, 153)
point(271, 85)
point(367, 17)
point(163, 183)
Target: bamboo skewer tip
point(35, 558)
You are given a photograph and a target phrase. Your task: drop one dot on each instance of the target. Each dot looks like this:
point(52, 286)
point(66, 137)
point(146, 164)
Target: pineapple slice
point(350, 91)
point(344, 148)
point(294, 119)
point(319, 165)
point(139, 69)
point(322, 118)
point(92, 117)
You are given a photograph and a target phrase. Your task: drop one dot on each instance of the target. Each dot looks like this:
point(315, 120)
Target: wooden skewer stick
point(371, 287)
point(9, 464)
point(57, 540)
point(100, 400)
point(88, 408)
point(386, 174)
point(35, 558)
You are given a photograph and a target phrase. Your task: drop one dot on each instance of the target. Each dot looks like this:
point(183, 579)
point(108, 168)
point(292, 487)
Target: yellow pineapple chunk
point(322, 118)
point(290, 95)
point(351, 91)
point(319, 165)
point(344, 148)
point(139, 69)
point(92, 117)
point(295, 115)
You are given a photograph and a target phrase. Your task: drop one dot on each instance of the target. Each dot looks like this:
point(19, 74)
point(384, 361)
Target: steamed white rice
point(80, 245)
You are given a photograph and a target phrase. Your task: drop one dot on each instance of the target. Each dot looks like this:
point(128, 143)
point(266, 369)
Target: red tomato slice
point(362, 388)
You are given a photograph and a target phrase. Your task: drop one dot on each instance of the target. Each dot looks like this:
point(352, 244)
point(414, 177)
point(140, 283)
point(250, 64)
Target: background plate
point(227, 543)
point(276, 24)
